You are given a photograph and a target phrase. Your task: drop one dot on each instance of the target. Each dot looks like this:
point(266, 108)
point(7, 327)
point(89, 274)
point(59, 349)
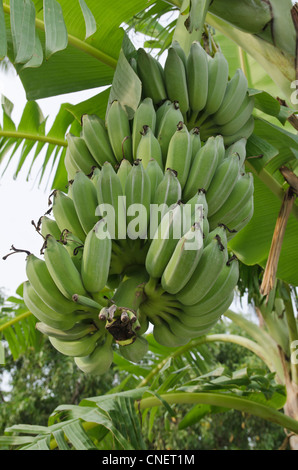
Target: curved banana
point(74, 246)
point(175, 79)
point(145, 115)
point(119, 132)
point(199, 210)
point(164, 241)
point(224, 285)
point(99, 361)
point(241, 117)
point(179, 153)
point(122, 172)
point(222, 183)
point(238, 147)
point(244, 132)
point(62, 269)
point(211, 263)
point(241, 193)
point(78, 331)
point(184, 260)
point(164, 336)
point(197, 77)
point(242, 219)
point(70, 165)
point(84, 196)
point(95, 134)
point(41, 281)
point(202, 169)
point(135, 351)
point(96, 259)
point(149, 148)
point(49, 225)
point(48, 316)
point(111, 204)
point(155, 174)
point(151, 75)
point(138, 200)
point(78, 347)
point(167, 193)
point(218, 73)
point(191, 315)
point(235, 93)
point(167, 126)
point(79, 154)
point(65, 214)
point(221, 150)
point(196, 143)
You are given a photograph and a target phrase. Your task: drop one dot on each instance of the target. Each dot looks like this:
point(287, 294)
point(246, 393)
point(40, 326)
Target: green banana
point(235, 93)
point(242, 218)
point(84, 196)
point(119, 132)
point(122, 172)
point(70, 165)
point(218, 73)
point(167, 193)
point(65, 214)
point(241, 193)
point(77, 332)
point(197, 77)
point(225, 284)
point(199, 210)
point(184, 260)
point(238, 147)
point(164, 241)
point(244, 132)
point(74, 246)
point(43, 284)
point(155, 174)
point(211, 263)
point(79, 153)
point(241, 117)
point(110, 198)
point(179, 50)
point(193, 316)
point(48, 316)
point(202, 169)
point(149, 148)
point(76, 348)
point(178, 326)
point(164, 336)
point(175, 80)
point(145, 115)
point(160, 112)
point(167, 126)
point(99, 361)
point(222, 183)
point(220, 231)
point(221, 150)
point(196, 143)
point(95, 134)
point(138, 199)
point(151, 76)
point(179, 153)
point(95, 175)
point(62, 269)
point(135, 351)
point(49, 225)
point(96, 259)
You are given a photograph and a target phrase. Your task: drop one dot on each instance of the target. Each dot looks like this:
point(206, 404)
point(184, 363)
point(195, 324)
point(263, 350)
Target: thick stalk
point(263, 339)
point(235, 339)
point(221, 400)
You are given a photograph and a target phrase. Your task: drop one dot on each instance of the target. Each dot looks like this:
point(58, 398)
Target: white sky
point(22, 201)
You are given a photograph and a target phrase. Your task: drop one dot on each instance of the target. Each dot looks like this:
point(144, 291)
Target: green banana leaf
point(75, 57)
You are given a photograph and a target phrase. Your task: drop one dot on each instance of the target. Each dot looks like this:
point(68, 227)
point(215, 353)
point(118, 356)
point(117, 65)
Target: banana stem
point(217, 399)
point(293, 331)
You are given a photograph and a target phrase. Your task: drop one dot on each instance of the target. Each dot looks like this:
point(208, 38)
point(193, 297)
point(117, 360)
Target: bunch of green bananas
point(200, 83)
point(112, 265)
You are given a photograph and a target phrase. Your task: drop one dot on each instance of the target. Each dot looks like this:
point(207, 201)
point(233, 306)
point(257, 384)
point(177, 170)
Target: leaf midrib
point(76, 42)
